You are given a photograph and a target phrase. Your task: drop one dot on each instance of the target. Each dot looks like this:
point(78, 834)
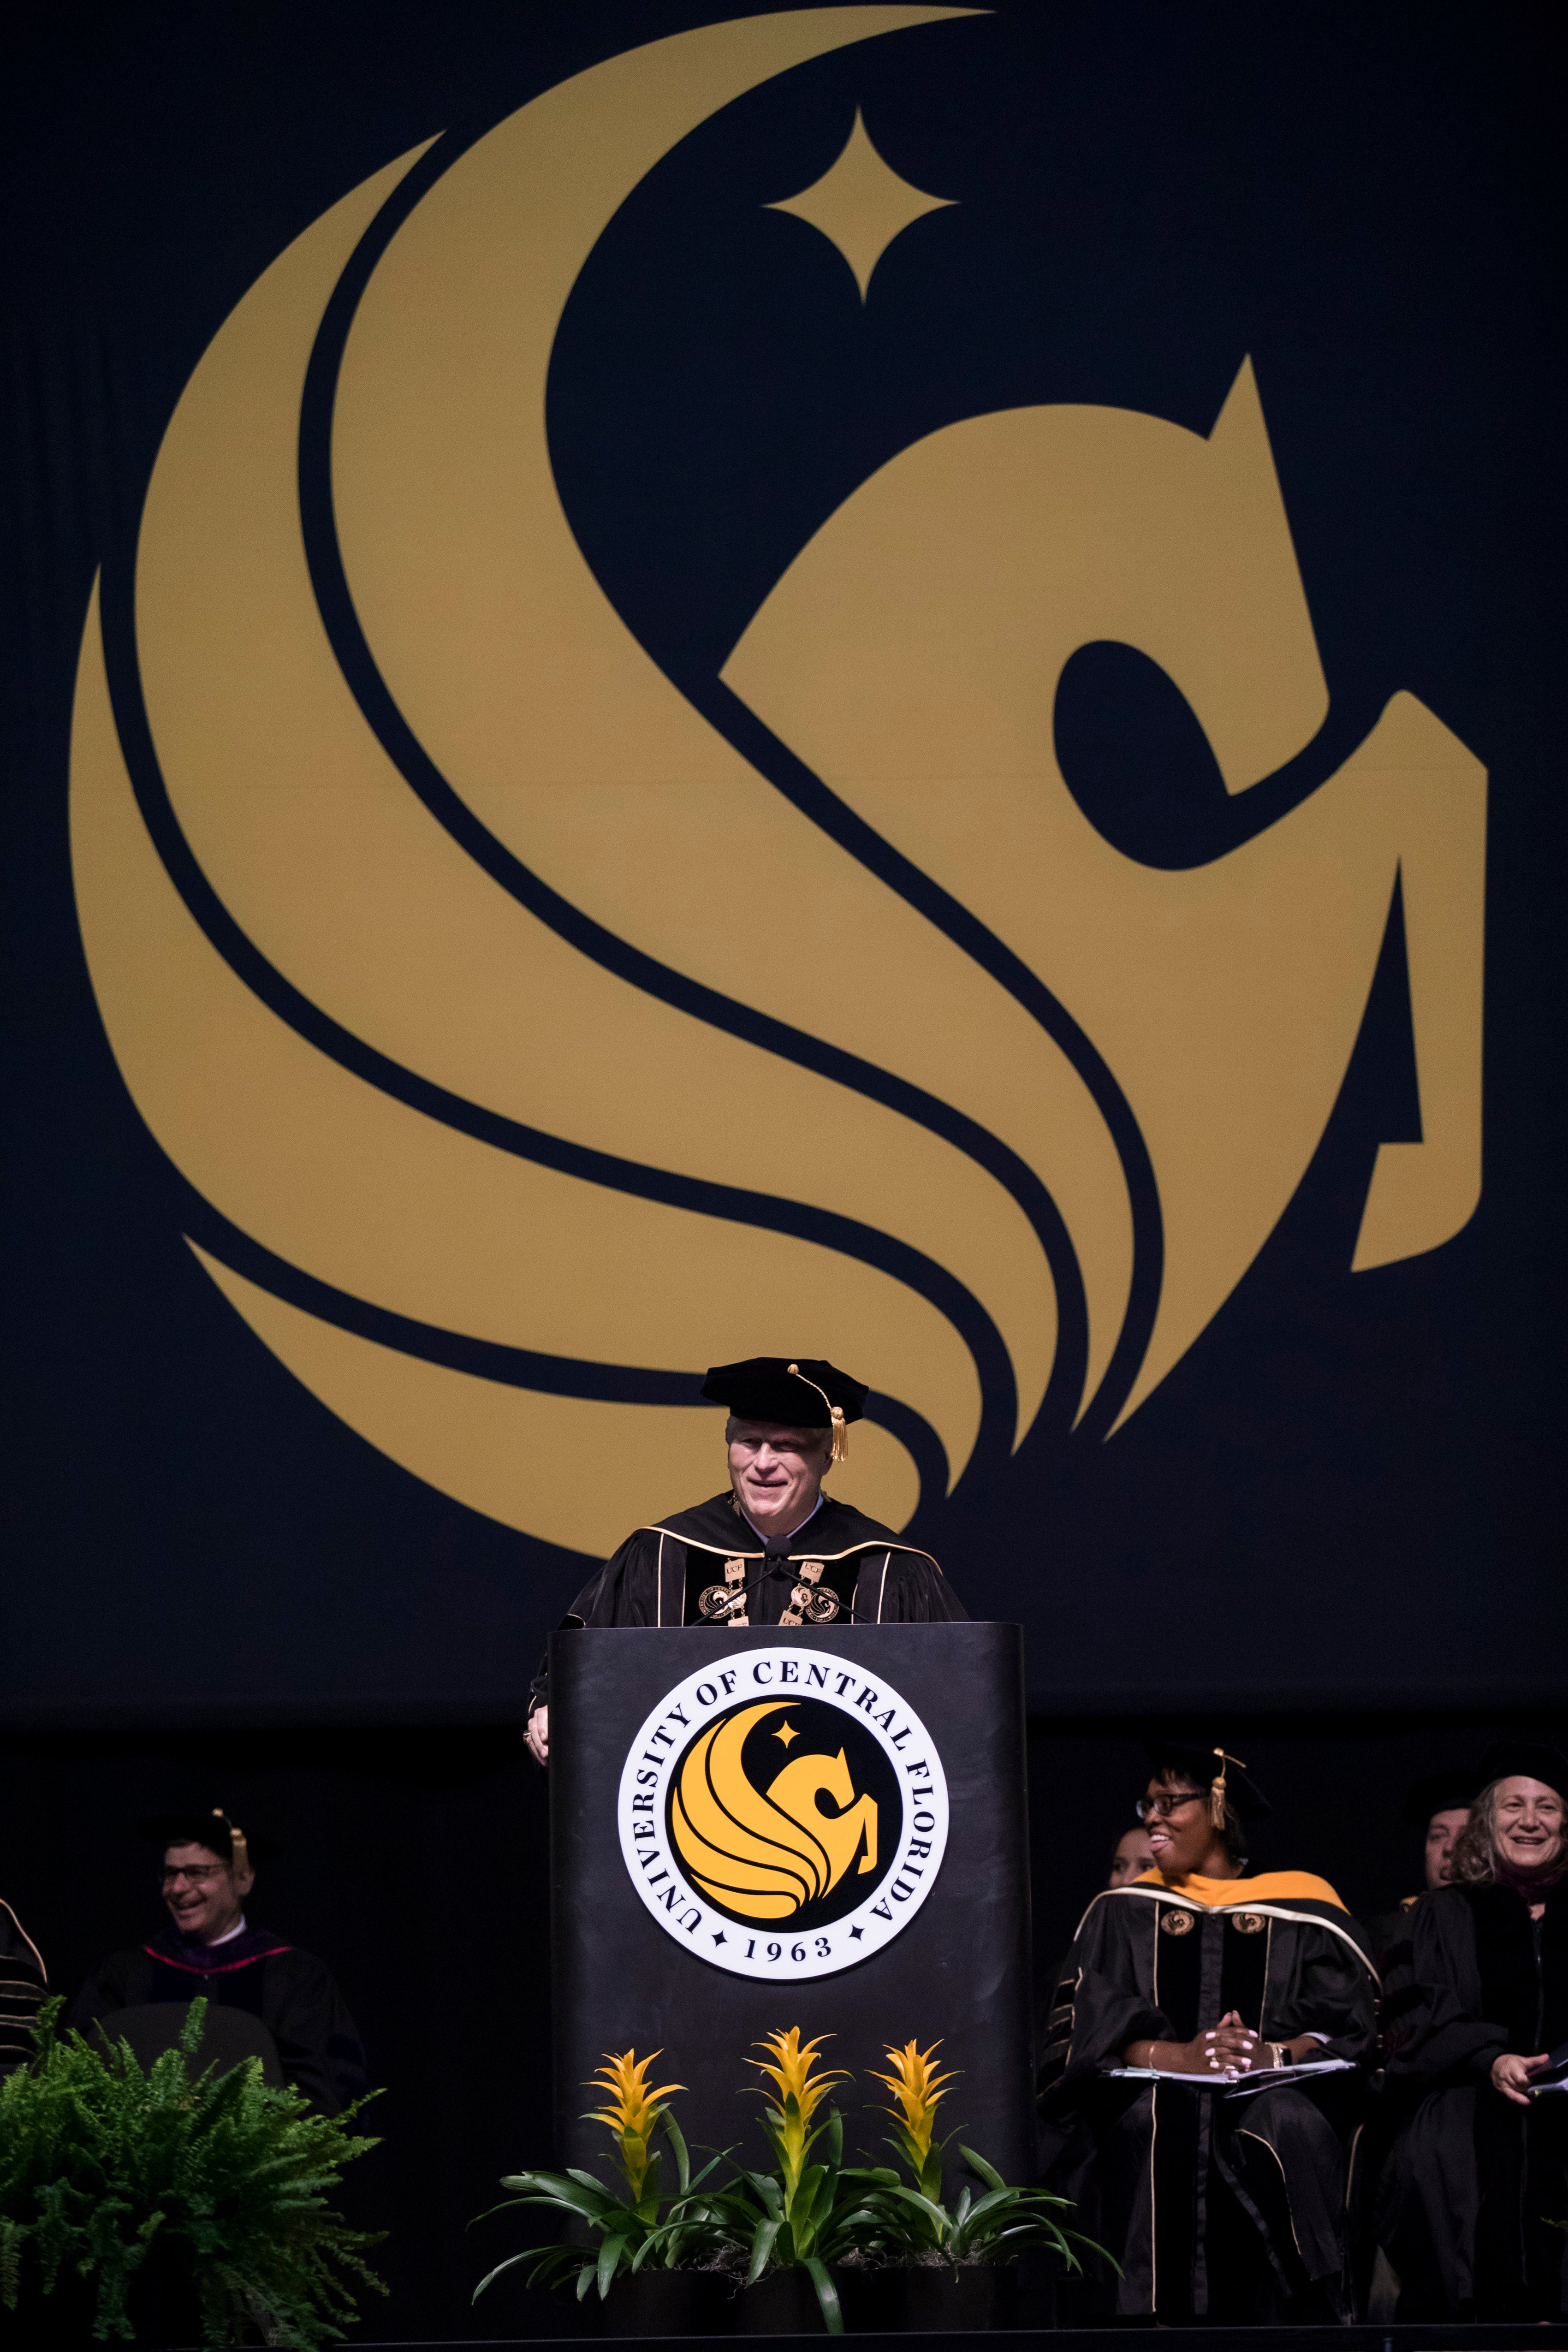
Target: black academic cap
point(1525, 1759)
point(1439, 1792)
point(1187, 1760)
point(797, 1392)
point(210, 1826)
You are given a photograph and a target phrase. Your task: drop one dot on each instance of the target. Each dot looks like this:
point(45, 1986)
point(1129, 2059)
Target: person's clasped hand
point(1512, 2076)
point(539, 1735)
point(1227, 2048)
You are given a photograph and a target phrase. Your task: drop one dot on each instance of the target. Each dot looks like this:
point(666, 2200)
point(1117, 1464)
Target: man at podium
point(771, 1548)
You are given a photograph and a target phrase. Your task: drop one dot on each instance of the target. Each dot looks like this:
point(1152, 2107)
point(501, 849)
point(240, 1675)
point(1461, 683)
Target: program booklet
point(1258, 2078)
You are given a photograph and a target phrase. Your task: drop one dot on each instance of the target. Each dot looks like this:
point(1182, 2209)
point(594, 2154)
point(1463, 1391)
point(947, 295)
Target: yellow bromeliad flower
point(797, 2094)
point(791, 2074)
point(630, 2111)
point(917, 2088)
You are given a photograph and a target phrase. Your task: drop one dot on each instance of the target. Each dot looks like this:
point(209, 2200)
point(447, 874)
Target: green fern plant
point(101, 2160)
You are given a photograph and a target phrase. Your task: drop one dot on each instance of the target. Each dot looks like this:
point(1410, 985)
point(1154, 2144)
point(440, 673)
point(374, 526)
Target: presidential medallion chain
point(726, 1604)
point(806, 1603)
point(810, 1602)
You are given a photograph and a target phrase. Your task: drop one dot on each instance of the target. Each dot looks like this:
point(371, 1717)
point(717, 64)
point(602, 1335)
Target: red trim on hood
point(227, 1968)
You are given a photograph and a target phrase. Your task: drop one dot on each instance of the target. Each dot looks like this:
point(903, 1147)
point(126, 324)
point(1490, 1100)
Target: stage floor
point(1544, 2336)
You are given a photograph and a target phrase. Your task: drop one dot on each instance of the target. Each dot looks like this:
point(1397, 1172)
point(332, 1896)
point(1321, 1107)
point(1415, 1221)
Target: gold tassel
point(1216, 1787)
point(837, 1421)
point(239, 1850)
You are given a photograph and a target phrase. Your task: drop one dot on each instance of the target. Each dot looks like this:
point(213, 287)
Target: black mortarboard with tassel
point(209, 1826)
point(794, 1392)
point(1224, 1776)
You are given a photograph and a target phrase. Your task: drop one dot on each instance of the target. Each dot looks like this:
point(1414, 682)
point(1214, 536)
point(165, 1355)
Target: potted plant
point(957, 2265)
point(655, 2256)
point(812, 2211)
point(643, 2244)
point(151, 2206)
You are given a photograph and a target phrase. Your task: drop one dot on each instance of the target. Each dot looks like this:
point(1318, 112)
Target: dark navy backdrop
point(1366, 198)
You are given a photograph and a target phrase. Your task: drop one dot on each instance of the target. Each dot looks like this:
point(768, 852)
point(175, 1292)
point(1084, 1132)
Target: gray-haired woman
point(1481, 2168)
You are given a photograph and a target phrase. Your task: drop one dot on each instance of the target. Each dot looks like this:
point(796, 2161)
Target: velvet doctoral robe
point(1473, 2181)
point(660, 1575)
point(1224, 2209)
point(292, 1993)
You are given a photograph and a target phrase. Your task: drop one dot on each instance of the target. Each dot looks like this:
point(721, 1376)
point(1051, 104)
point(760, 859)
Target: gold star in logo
point(860, 204)
point(787, 1732)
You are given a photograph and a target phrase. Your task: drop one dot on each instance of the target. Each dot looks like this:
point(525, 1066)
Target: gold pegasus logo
point(397, 859)
point(767, 1854)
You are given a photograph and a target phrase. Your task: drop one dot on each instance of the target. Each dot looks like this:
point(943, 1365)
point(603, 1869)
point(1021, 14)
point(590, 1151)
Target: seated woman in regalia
point(1189, 2101)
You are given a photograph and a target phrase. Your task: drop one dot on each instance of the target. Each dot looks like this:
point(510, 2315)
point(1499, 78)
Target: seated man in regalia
point(210, 1951)
point(771, 1548)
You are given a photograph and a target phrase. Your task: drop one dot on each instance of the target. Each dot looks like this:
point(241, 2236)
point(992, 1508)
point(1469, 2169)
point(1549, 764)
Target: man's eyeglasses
point(198, 1871)
point(1162, 1807)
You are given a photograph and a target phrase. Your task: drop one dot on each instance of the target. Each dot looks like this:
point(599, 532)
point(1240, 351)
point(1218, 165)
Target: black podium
point(819, 1827)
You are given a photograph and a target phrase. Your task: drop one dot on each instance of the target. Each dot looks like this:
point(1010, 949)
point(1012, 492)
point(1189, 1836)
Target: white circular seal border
point(661, 1882)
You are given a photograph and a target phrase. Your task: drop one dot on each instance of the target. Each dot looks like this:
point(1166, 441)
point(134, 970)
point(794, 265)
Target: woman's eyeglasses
point(1162, 1807)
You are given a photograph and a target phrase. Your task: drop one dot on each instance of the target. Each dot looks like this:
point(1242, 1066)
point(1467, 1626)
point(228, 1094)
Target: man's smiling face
point(204, 1894)
point(776, 1472)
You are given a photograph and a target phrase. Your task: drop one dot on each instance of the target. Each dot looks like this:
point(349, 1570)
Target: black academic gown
point(1388, 1941)
point(1473, 2180)
point(23, 1985)
point(1388, 1935)
point(1219, 2210)
point(660, 1575)
point(292, 1992)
